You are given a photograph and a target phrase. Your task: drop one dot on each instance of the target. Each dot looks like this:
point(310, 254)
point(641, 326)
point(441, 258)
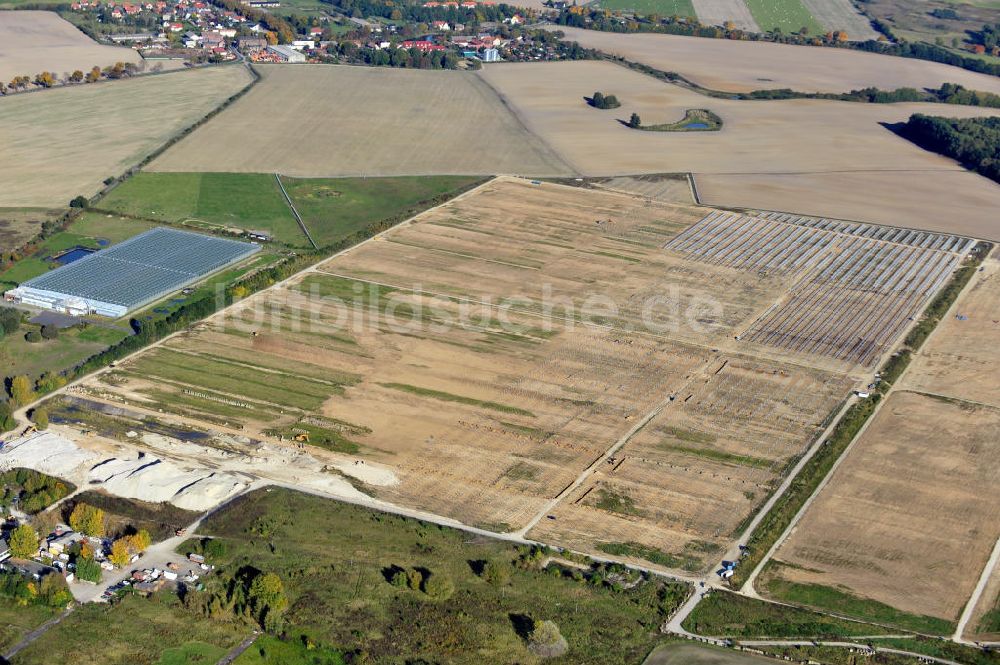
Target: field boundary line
point(574, 171)
point(747, 588)
point(295, 213)
point(615, 447)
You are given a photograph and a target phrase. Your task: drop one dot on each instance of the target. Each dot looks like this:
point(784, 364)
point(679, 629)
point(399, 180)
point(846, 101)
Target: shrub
point(495, 573)
point(40, 418)
point(50, 332)
point(546, 641)
point(439, 587)
point(80, 202)
point(33, 336)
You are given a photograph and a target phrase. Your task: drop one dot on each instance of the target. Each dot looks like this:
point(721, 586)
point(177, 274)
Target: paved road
point(238, 650)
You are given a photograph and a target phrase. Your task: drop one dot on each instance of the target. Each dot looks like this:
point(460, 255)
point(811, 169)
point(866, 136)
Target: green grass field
point(17, 621)
point(248, 201)
point(646, 7)
point(267, 650)
point(150, 631)
point(18, 356)
point(725, 614)
point(247, 381)
point(333, 209)
point(842, 602)
point(787, 15)
point(335, 559)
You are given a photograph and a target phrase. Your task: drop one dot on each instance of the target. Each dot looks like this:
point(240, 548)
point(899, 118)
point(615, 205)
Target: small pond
point(71, 255)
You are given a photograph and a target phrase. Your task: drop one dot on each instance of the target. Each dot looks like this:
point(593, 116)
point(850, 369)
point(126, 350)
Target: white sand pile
point(46, 452)
point(151, 479)
point(367, 473)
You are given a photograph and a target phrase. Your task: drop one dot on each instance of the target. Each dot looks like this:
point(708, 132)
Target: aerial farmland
point(385, 122)
point(618, 333)
point(109, 127)
point(917, 473)
point(526, 370)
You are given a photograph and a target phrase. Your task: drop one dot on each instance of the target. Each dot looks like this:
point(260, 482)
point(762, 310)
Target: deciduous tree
point(23, 542)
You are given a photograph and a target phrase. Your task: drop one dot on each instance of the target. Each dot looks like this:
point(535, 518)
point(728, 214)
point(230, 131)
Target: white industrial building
point(286, 53)
point(132, 274)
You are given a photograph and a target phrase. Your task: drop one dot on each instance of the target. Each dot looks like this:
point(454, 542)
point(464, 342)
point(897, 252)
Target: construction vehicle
point(30, 429)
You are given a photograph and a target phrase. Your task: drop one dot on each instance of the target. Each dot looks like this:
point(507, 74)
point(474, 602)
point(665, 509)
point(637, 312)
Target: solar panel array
point(860, 283)
point(144, 268)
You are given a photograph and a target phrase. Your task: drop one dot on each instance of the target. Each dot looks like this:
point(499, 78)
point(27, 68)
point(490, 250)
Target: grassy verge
point(724, 614)
point(842, 602)
point(460, 399)
point(940, 648)
point(803, 485)
point(685, 561)
point(16, 621)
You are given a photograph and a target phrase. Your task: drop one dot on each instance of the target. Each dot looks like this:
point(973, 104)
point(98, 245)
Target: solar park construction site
point(647, 426)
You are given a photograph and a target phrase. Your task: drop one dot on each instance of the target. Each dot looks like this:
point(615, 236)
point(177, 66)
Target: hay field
point(454, 351)
point(905, 520)
point(962, 359)
point(361, 121)
point(837, 141)
point(739, 66)
point(35, 41)
point(61, 143)
point(910, 517)
point(718, 12)
point(944, 201)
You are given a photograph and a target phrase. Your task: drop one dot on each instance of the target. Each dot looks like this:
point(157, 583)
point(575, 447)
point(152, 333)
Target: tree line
point(975, 142)
point(48, 79)
point(417, 13)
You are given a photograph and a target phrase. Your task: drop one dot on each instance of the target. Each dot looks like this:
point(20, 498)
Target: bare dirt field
point(909, 518)
point(962, 359)
point(949, 201)
point(488, 352)
point(358, 121)
point(739, 66)
point(664, 188)
point(842, 15)
point(35, 41)
point(839, 140)
point(719, 12)
point(64, 142)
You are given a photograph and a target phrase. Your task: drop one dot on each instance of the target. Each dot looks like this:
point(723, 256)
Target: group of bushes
point(31, 490)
